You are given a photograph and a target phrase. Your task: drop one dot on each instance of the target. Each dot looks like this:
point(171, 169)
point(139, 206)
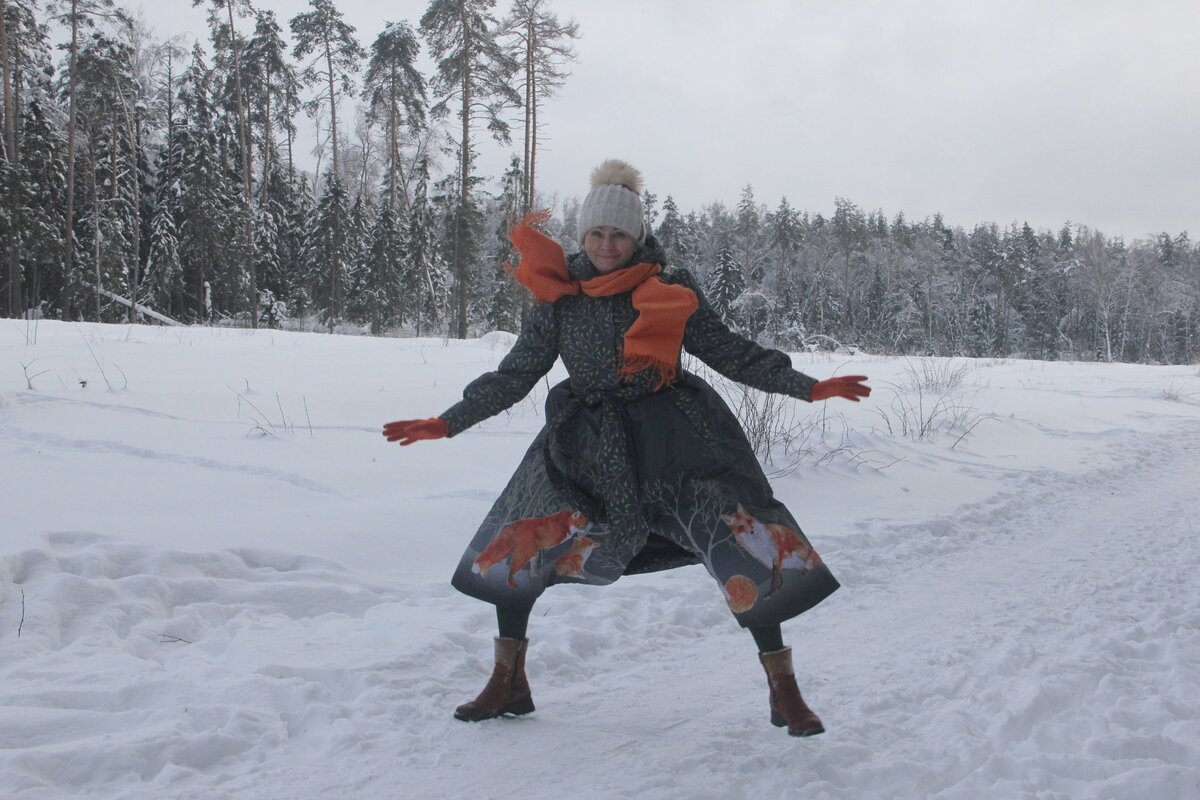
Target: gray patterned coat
point(625, 478)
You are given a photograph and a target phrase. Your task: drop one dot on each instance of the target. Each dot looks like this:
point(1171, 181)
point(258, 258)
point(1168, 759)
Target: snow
point(218, 580)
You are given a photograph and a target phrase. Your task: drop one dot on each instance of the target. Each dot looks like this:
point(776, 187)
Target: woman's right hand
point(407, 431)
point(850, 387)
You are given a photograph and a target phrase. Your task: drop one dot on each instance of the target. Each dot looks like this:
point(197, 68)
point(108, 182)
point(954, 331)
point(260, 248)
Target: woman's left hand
point(407, 431)
point(850, 387)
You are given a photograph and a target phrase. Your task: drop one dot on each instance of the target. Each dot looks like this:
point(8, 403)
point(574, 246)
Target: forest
point(147, 179)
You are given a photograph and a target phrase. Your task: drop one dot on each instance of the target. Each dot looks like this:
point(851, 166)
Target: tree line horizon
point(167, 175)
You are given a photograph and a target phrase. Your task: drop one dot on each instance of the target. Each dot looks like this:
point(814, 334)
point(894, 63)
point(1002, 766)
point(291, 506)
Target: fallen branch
point(149, 312)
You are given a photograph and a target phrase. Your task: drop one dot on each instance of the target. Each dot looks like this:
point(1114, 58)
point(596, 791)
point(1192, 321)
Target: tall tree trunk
point(96, 238)
point(460, 225)
point(10, 106)
point(10, 154)
point(531, 183)
point(244, 139)
point(134, 138)
point(332, 109)
point(529, 129)
point(335, 267)
point(68, 258)
point(268, 143)
point(394, 139)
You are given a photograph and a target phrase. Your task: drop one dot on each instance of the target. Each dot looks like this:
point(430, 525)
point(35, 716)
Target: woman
point(640, 466)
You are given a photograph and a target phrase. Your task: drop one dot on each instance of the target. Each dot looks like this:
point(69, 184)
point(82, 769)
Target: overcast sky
point(1044, 111)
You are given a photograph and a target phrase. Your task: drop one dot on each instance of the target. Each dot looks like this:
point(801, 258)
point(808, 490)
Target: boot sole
point(515, 709)
point(779, 721)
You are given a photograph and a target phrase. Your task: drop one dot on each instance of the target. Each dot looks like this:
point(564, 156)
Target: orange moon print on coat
point(740, 593)
point(521, 541)
point(777, 547)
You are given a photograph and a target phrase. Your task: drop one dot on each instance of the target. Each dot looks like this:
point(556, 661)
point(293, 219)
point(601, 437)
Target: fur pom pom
point(618, 173)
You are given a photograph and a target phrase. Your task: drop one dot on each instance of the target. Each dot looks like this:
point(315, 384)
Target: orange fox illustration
point(570, 564)
point(521, 541)
point(775, 546)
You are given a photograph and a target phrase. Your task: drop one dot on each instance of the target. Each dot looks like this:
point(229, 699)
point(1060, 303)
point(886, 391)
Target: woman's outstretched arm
point(531, 357)
point(745, 361)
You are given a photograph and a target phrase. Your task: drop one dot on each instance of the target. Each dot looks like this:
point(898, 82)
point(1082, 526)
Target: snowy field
point(218, 581)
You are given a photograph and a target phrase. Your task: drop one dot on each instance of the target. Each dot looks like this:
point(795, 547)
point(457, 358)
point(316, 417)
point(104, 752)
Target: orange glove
point(850, 387)
point(407, 431)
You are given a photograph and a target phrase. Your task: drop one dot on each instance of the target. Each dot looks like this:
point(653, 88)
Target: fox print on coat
point(523, 540)
point(777, 547)
point(570, 564)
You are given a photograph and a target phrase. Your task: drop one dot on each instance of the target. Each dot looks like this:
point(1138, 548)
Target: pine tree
point(164, 270)
point(272, 309)
point(726, 283)
point(207, 230)
point(424, 282)
point(358, 250)
point(25, 70)
point(670, 234)
point(16, 21)
point(323, 34)
point(542, 44)
point(272, 94)
point(392, 83)
point(106, 91)
point(327, 252)
point(785, 234)
point(474, 72)
point(75, 15)
point(849, 230)
point(748, 241)
point(298, 206)
point(222, 16)
point(501, 296)
point(377, 279)
point(39, 202)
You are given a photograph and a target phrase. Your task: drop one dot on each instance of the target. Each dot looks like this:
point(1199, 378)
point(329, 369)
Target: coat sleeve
point(531, 357)
point(735, 356)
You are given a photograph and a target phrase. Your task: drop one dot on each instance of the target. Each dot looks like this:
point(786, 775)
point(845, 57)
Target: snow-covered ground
point(217, 580)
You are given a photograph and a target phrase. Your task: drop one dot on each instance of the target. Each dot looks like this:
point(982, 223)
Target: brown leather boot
point(787, 706)
point(507, 691)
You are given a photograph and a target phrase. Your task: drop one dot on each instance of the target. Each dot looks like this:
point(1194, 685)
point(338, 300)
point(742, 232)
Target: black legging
point(514, 624)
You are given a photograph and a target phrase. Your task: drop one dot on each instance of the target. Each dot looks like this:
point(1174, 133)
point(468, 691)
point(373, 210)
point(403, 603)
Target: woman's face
point(608, 248)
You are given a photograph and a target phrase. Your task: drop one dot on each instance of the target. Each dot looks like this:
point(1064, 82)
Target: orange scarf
point(654, 338)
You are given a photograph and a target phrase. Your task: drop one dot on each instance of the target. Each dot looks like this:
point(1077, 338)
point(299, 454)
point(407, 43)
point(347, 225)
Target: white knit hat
point(615, 200)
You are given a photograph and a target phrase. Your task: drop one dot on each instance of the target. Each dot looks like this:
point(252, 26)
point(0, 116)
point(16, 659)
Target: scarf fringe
point(635, 364)
point(534, 219)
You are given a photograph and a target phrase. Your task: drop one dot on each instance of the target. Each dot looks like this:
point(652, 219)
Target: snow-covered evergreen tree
point(328, 252)
point(474, 77)
point(726, 283)
point(377, 280)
